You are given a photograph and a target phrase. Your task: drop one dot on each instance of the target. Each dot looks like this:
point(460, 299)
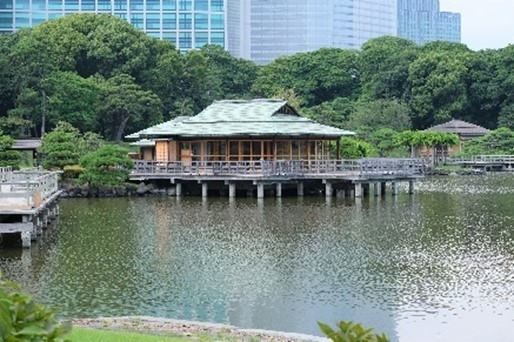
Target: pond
point(435, 266)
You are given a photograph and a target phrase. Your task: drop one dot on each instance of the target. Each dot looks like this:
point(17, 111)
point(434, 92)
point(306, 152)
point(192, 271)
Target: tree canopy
point(100, 74)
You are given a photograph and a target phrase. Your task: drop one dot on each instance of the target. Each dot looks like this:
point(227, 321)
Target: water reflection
point(429, 267)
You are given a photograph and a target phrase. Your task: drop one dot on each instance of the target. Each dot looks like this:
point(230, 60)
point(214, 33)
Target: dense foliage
point(109, 165)
point(101, 74)
point(8, 157)
point(24, 320)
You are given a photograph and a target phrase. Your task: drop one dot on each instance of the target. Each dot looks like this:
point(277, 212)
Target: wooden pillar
point(338, 149)
point(205, 189)
point(25, 239)
point(411, 187)
point(178, 189)
point(260, 190)
point(394, 188)
point(279, 189)
point(365, 189)
point(376, 188)
point(299, 188)
point(328, 189)
point(358, 190)
point(232, 190)
point(383, 188)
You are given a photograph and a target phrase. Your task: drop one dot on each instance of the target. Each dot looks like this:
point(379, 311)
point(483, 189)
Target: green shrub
point(108, 165)
point(72, 171)
point(351, 332)
point(24, 320)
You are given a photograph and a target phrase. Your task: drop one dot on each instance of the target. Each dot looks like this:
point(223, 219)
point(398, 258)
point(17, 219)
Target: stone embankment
point(195, 330)
point(72, 190)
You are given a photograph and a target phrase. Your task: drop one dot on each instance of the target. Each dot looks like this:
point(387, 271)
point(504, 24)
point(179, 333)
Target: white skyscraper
point(286, 27)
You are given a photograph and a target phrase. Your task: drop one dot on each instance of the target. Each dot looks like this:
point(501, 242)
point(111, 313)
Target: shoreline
point(175, 327)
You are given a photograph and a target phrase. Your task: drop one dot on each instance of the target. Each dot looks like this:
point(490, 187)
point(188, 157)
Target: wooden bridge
point(28, 201)
point(486, 162)
point(332, 174)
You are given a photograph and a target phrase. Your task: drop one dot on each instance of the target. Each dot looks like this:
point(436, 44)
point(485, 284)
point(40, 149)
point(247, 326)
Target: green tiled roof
point(236, 118)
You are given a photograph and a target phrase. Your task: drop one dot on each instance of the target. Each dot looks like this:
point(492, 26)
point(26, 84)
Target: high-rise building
point(285, 27)
point(186, 23)
point(422, 21)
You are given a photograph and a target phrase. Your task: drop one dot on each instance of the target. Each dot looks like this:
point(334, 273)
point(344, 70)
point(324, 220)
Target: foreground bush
point(24, 320)
point(351, 332)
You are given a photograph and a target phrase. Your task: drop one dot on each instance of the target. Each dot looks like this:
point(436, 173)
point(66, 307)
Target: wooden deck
point(343, 177)
point(369, 168)
point(27, 201)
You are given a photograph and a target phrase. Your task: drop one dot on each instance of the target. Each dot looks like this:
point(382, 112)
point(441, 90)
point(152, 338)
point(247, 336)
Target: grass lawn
point(97, 335)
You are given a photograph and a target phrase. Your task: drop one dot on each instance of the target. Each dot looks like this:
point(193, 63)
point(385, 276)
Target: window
point(7, 4)
point(6, 20)
point(52, 16)
point(38, 18)
point(184, 40)
point(21, 20)
point(104, 5)
point(217, 5)
point(201, 5)
point(118, 4)
point(153, 21)
point(169, 5)
point(136, 5)
point(71, 5)
point(218, 38)
point(169, 21)
point(153, 5)
point(55, 5)
point(185, 5)
point(185, 21)
point(217, 22)
point(170, 37)
point(201, 39)
point(201, 21)
point(22, 4)
point(37, 5)
point(136, 19)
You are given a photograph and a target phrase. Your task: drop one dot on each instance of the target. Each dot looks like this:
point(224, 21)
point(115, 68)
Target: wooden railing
point(368, 167)
point(481, 159)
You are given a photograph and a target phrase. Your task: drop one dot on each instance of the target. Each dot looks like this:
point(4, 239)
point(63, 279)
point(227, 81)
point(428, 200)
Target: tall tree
point(384, 67)
point(371, 116)
point(438, 83)
point(125, 105)
point(316, 77)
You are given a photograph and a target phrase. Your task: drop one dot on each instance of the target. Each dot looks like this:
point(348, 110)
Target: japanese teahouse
point(239, 130)
point(262, 143)
point(465, 130)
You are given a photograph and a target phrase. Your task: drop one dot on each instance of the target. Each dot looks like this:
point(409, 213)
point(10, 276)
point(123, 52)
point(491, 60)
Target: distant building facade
point(422, 22)
point(188, 24)
point(286, 27)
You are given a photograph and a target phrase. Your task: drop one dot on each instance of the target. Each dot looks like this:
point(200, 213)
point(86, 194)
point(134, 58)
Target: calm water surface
point(436, 266)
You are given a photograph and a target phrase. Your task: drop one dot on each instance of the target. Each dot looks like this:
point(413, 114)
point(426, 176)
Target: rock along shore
point(172, 327)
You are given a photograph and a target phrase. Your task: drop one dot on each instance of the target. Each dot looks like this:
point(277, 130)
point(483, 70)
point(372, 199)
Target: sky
point(486, 24)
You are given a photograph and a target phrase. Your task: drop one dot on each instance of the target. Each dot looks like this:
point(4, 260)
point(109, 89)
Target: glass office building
point(422, 21)
point(186, 23)
point(287, 27)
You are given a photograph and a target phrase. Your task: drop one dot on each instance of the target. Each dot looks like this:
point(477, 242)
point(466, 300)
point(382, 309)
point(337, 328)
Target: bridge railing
point(28, 191)
point(392, 166)
point(368, 166)
point(5, 174)
point(481, 159)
